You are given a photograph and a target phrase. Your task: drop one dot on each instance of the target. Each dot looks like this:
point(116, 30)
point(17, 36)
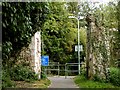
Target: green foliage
point(58, 34)
point(118, 15)
point(115, 76)
point(6, 81)
point(72, 7)
point(108, 16)
point(22, 73)
point(20, 22)
point(83, 68)
point(83, 37)
point(98, 79)
point(43, 76)
point(82, 82)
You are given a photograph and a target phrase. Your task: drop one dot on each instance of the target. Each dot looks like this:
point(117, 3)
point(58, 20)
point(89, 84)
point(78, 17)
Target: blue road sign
point(45, 60)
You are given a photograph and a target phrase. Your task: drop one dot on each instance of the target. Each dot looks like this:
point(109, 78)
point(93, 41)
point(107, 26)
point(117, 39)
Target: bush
point(83, 68)
point(22, 73)
point(6, 81)
point(43, 76)
point(115, 76)
point(97, 78)
point(82, 82)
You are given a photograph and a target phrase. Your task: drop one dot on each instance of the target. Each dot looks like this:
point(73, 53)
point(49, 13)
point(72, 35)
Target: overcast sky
point(101, 1)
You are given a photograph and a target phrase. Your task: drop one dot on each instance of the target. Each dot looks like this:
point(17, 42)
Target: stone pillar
point(97, 55)
point(32, 54)
point(35, 48)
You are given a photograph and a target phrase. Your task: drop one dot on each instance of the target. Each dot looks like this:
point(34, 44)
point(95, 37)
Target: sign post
point(80, 48)
point(45, 60)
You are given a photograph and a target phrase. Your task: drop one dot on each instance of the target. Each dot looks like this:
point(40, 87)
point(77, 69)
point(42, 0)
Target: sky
point(100, 1)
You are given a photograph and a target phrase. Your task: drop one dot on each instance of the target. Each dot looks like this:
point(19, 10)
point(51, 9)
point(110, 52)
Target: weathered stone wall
point(32, 54)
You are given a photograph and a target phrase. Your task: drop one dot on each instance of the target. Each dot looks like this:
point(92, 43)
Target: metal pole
point(65, 70)
point(78, 18)
point(58, 69)
point(78, 41)
point(78, 48)
point(46, 72)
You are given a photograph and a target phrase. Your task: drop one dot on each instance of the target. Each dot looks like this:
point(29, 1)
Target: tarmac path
point(62, 82)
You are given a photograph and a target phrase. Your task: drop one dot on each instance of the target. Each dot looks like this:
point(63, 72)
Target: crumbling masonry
point(98, 50)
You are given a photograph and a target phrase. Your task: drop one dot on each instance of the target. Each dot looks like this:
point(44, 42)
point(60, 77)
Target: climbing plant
point(20, 22)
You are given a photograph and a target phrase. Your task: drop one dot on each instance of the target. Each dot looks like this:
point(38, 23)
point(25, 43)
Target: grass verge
point(82, 82)
point(43, 83)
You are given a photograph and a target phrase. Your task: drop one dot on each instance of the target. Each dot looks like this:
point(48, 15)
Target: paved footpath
point(61, 82)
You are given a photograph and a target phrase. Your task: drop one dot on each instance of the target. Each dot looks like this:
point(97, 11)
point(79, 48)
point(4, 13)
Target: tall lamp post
point(78, 47)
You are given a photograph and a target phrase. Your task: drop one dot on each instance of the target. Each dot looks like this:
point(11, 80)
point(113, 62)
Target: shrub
point(22, 73)
point(115, 76)
point(96, 78)
point(6, 81)
point(43, 76)
point(99, 79)
point(82, 82)
point(83, 68)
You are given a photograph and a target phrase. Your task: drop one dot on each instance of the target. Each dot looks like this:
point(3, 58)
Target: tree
point(58, 34)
